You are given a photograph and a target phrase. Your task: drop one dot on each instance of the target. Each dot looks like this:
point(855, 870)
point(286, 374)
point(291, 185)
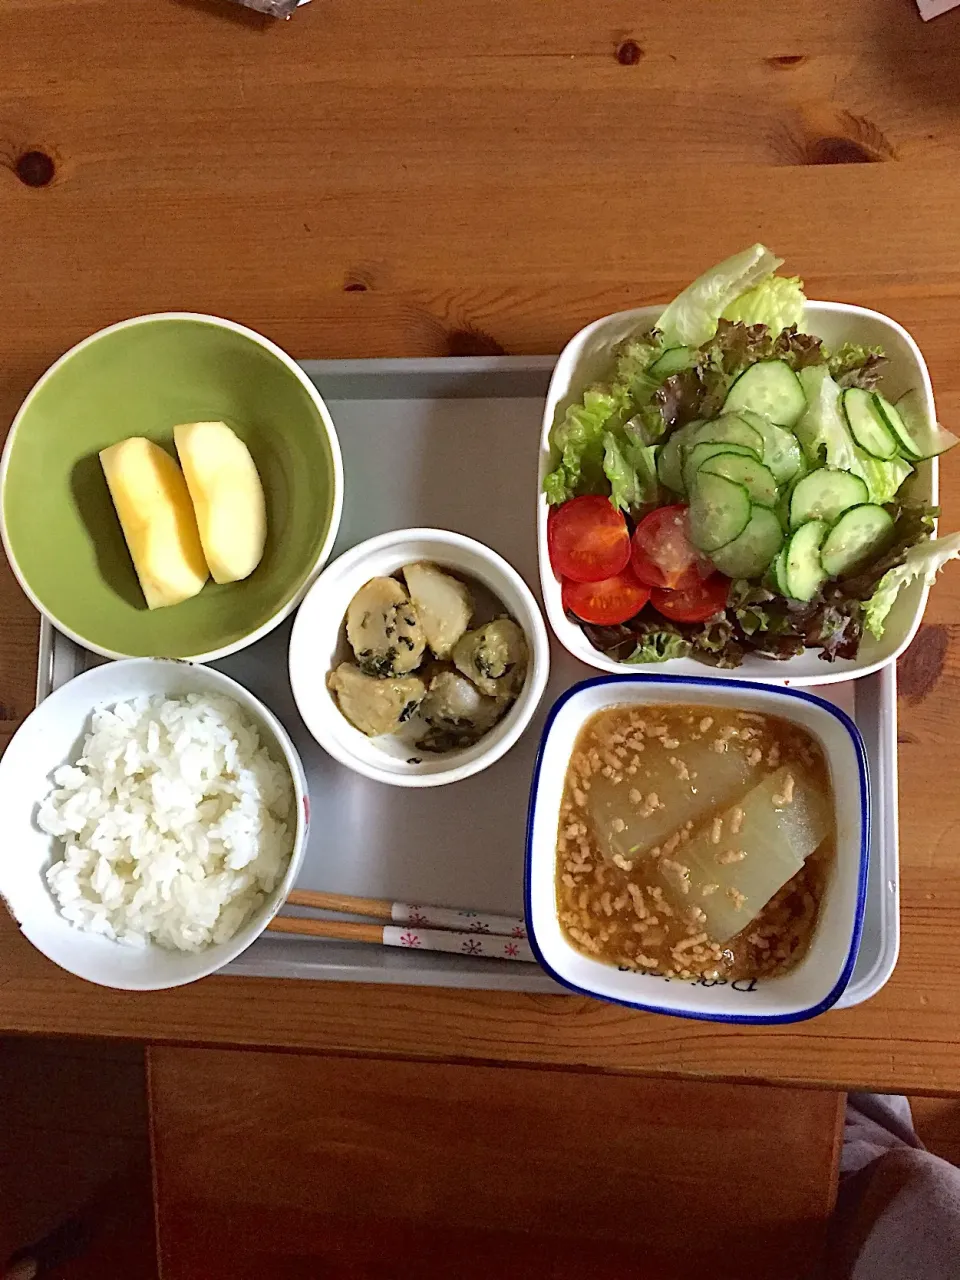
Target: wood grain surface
point(477, 1171)
point(74, 1146)
point(400, 179)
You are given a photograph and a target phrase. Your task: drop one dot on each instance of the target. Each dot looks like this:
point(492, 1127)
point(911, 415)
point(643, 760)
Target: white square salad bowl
point(820, 978)
point(586, 360)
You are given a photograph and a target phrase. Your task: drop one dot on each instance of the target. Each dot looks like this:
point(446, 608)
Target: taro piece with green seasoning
point(465, 681)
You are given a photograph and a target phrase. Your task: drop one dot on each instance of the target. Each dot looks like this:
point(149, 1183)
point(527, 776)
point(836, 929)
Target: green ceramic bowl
point(141, 378)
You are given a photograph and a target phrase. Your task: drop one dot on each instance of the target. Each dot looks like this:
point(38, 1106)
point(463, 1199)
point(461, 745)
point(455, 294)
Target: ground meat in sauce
point(628, 913)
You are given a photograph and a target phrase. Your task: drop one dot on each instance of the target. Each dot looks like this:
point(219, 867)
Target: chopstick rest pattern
point(451, 918)
point(458, 930)
point(493, 946)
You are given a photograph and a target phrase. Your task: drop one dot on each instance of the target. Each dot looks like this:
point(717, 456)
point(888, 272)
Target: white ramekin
point(317, 642)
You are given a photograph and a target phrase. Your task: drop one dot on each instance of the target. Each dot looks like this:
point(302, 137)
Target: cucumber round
point(867, 424)
point(782, 509)
point(670, 458)
point(730, 428)
point(825, 495)
point(891, 419)
point(674, 360)
point(696, 455)
point(778, 571)
point(742, 469)
point(919, 432)
point(781, 448)
point(749, 554)
point(803, 571)
point(858, 537)
point(769, 388)
point(719, 511)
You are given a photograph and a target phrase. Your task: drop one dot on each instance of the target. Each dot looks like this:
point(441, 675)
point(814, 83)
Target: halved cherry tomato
point(692, 604)
point(662, 554)
point(608, 602)
point(588, 540)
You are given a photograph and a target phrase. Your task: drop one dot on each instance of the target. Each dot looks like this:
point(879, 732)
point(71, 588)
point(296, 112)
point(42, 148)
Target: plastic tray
point(453, 443)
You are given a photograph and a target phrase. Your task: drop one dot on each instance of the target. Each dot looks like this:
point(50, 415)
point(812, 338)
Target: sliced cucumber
point(782, 509)
point(825, 495)
point(742, 469)
point(719, 511)
point(865, 421)
point(778, 571)
point(674, 360)
point(696, 455)
point(781, 448)
point(891, 419)
point(731, 428)
point(749, 554)
point(670, 460)
point(769, 388)
point(857, 537)
point(919, 433)
point(803, 572)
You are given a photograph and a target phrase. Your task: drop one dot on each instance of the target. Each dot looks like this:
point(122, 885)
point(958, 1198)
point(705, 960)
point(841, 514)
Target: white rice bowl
point(176, 823)
point(53, 737)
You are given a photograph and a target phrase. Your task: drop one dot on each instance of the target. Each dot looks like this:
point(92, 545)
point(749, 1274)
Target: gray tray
point(453, 443)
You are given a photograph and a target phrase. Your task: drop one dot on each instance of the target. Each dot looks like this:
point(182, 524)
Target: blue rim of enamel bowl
point(707, 682)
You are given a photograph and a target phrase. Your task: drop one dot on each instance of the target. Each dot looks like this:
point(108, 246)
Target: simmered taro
point(694, 842)
point(494, 657)
point(443, 603)
point(456, 713)
point(384, 630)
point(372, 704)
point(465, 681)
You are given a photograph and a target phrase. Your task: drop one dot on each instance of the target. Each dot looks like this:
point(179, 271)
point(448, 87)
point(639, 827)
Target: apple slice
point(157, 519)
point(227, 497)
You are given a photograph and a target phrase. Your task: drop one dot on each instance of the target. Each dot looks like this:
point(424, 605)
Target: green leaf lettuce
point(825, 437)
point(777, 302)
point(579, 437)
point(924, 561)
point(579, 440)
point(691, 319)
point(660, 646)
point(853, 365)
point(631, 468)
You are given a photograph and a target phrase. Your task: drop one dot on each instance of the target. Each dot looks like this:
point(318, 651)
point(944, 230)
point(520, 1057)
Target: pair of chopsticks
point(463, 932)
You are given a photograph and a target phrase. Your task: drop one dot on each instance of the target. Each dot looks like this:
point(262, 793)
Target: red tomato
point(663, 555)
point(692, 604)
point(588, 540)
point(608, 602)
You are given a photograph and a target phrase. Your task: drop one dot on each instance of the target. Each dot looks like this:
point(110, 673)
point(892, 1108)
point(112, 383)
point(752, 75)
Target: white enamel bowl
point(586, 359)
point(820, 978)
point(316, 645)
point(51, 736)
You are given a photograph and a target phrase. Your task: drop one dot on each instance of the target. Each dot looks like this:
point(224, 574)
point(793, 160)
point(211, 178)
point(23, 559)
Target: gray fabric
point(898, 1211)
point(876, 1123)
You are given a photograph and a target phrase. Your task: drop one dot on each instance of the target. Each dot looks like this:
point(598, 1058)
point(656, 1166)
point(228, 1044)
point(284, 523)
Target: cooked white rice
point(175, 823)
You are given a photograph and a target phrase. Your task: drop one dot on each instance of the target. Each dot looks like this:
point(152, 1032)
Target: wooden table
point(387, 178)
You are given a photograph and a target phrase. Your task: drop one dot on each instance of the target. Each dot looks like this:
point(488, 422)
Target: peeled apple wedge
point(156, 515)
point(227, 497)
